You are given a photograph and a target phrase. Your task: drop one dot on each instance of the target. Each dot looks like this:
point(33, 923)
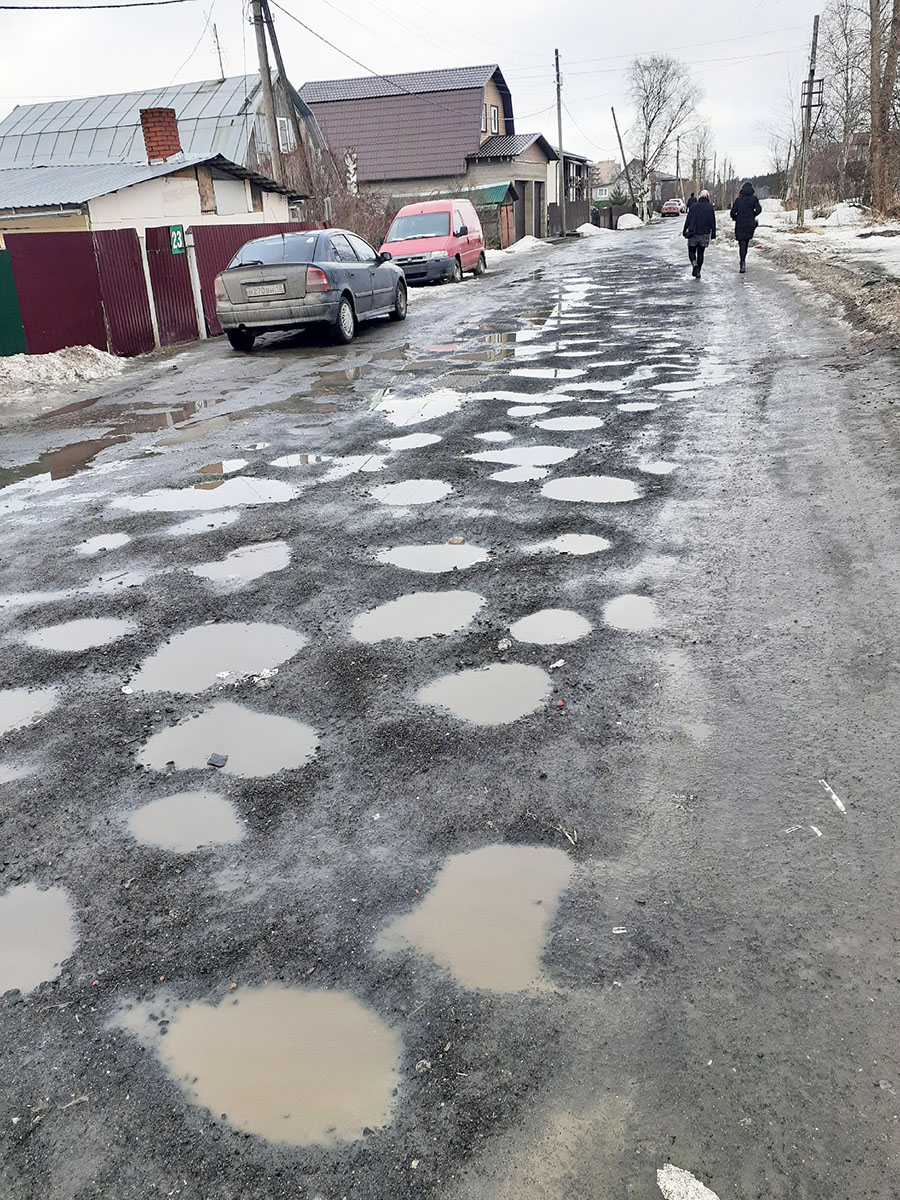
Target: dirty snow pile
point(73, 364)
point(524, 244)
point(676, 1184)
point(629, 221)
point(589, 230)
point(846, 214)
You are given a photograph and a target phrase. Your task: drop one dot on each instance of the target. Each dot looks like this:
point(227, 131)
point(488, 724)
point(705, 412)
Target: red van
point(436, 240)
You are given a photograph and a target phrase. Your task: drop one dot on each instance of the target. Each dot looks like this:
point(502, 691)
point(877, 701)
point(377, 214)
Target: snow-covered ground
point(846, 238)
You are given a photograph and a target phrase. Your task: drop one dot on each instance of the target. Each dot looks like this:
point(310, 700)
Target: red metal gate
point(123, 289)
point(171, 283)
point(59, 290)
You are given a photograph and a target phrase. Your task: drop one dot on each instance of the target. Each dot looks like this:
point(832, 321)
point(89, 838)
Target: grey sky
point(741, 55)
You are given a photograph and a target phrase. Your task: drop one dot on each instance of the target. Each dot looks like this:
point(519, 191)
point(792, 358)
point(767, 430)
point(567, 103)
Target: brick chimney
point(160, 129)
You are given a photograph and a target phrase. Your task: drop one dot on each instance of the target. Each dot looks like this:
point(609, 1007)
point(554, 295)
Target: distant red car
point(673, 208)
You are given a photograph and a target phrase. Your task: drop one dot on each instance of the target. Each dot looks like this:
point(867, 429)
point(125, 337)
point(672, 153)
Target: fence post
point(195, 283)
point(154, 324)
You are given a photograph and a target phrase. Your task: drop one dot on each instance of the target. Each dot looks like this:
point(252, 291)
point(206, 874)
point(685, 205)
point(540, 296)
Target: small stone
point(457, 541)
point(423, 1065)
point(217, 760)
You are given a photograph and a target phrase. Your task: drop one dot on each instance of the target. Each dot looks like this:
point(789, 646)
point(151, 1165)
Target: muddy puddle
point(488, 916)
point(412, 491)
point(37, 935)
point(547, 372)
point(300, 460)
point(579, 543)
point(354, 464)
point(186, 821)
point(24, 706)
point(637, 406)
point(433, 559)
point(494, 695)
point(658, 467)
point(215, 520)
point(525, 456)
point(102, 543)
point(551, 627)
point(227, 466)
point(255, 744)
point(418, 615)
point(410, 441)
point(84, 634)
point(591, 489)
point(415, 410)
point(207, 655)
point(528, 410)
point(494, 435)
point(631, 613)
point(570, 424)
point(217, 494)
point(246, 563)
point(292, 1065)
point(520, 474)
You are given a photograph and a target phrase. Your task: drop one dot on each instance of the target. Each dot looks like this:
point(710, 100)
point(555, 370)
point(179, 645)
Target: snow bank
point(771, 204)
point(629, 221)
point(524, 244)
point(62, 366)
point(846, 214)
point(589, 230)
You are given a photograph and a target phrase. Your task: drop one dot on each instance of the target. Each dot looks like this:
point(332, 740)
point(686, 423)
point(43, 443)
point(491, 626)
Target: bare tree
point(884, 48)
point(665, 98)
point(844, 55)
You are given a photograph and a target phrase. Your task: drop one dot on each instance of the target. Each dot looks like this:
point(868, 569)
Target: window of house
point(256, 198)
point(495, 119)
point(285, 135)
point(484, 118)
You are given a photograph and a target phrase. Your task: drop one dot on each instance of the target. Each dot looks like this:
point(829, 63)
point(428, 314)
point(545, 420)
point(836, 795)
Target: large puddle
point(198, 658)
point(83, 634)
point(637, 406)
point(520, 474)
point(418, 615)
point(551, 627)
point(525, 456)
point(304, 1067)
point(547, 372)
point(494, 695)
point(412, 491)
point(414, 410)
point(254, 744)
point(488, 916)
point(101, 543)
point(410, 441)
point(215, 520)
point(591, 489)
point(37, 934)
point(570, 424)
point(23, 706)
point(631, 612)
point(246, 563)
point(433, 559)
point(223, 493)
point(186, 821)
point(579, 543)
point(528, 410)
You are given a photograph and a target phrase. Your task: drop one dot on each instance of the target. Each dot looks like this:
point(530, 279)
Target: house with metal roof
point(427, 132)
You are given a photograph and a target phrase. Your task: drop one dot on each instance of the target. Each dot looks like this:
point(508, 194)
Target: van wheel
point(240, 339)
point(344, 329)
point(401, 301)
point(456, 277)
point(481, 265)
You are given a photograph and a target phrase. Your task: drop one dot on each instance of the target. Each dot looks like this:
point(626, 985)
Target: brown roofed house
point(431, 132)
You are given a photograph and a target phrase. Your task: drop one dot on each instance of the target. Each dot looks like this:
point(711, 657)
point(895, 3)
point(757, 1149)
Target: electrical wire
point(80, 7)
point(208, 16)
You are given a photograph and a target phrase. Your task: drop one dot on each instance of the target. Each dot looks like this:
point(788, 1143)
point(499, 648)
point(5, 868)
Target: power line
point(85, 7)
point(590, 141)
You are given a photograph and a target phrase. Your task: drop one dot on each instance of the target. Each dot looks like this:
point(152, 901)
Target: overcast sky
point(744, 56)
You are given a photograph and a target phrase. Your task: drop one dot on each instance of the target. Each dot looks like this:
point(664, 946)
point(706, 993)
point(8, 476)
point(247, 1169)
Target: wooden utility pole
point(678, 183)
point(282, 74)
point(807, 127)
point(268, 94)
point(624, 159)
point(561, 188)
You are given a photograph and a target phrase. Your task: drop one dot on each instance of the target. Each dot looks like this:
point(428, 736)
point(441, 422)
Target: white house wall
point(171, 200)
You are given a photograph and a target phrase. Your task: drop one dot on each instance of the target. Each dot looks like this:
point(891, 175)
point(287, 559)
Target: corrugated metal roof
point(486, 193)
point(511, 145)
point(214, 117)
point(451, 79)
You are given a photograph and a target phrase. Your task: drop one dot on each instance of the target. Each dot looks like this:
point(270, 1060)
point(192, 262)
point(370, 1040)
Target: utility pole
point(624, 159)
point(713, 180)
point(678, 168)
point(561, 189)
point(268, 94)
point(215, 34)
point(282, 74)
point(807, 126)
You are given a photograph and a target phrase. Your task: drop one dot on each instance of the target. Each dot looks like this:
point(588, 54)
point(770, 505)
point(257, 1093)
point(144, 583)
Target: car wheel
point(481, 265)
point(456, 277)
point(401, 301)
point(240, 339)
point(345, 322)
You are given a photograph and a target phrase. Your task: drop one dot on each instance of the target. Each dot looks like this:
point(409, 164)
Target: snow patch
point(589, 230)
point(62, 366)
point(846, 214)
point(629, 221)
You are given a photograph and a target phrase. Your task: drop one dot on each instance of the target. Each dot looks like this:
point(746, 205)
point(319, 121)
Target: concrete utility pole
point(624, 159)
point(561, 189)
point(807, 127)
point(678, 183)
point(268, 94)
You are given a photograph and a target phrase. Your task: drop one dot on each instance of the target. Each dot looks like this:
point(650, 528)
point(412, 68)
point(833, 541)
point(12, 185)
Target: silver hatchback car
point(326, 277)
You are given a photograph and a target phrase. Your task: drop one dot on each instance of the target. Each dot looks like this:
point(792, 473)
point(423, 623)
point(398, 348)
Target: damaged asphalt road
point(461, 765)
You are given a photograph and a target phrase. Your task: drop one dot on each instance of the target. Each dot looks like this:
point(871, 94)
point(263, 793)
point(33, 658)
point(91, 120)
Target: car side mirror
point(463, 230)
point(385, 256)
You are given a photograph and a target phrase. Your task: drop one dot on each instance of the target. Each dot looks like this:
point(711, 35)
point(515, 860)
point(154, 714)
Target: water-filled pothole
point(494, 695)
point(570, 423)
point(658, 467)
point(303, 1067)
point(410, 441)
point(37, 934)
point(551, 627)
point(579, 543)
point(101, 543)
point(525, 456)
point(198, 658)
point(213, 520)
point(418, 615)
point(637, 406)
point(520, 474)
point(83, 634)
point(246, 563)
point(488, 916)
point(413, 410)
point(494, 435)
point(219, 494)
point(22, 706)
point(186, 821)
point(547, 372)
point(433, 559)
point(254, 744)
point(528, 410)
point(412, 491)
point(631, 612)
point(591, 489)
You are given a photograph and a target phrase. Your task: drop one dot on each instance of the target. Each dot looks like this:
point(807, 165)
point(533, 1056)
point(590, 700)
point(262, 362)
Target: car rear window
point(289, 248)
point(419, 225)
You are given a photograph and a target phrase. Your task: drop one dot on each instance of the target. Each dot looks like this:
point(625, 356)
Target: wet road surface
point(462, 765)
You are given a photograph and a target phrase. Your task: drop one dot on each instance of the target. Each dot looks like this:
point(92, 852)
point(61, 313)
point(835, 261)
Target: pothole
point(246, 563)
point(631, 613)
point(198, 658)
point(84, 634)
point(222, 493)
point(637, 406)
point(214, 520)
point(591, 489)
point(525, 456)
point(102, 543)
point(37, 935)
point(23, 706)
point(570, 423)
point(410, 441)
point(551, 627)
point(494, 695)
point(433, 559)
point(415, 410)
point(579, 543)
point(186, 821)
point(412, 491)
point(418, 615)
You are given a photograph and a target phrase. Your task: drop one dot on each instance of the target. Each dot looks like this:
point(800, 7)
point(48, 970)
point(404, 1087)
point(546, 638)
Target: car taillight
point(316, 280)
point(221, 293)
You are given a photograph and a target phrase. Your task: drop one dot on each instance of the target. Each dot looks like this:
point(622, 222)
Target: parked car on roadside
point(434, 241)
point(673, 208)
point(330, 277)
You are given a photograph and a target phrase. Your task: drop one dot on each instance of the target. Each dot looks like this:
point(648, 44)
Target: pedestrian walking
point(691, 201)
point(700, 230)
point(744, 211)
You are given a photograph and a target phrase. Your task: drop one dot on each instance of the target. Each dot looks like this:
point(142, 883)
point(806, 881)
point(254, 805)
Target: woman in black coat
point(744, 212)
point(699, 229)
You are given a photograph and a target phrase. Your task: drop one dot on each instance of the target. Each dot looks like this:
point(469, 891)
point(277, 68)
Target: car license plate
point(265, 289)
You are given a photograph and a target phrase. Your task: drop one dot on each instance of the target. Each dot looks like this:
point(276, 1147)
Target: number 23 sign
point(176, 238)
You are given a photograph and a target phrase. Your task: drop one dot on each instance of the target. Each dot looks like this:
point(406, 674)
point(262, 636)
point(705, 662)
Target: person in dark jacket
point(744, 212)
point(691, 201)
point(700, 230)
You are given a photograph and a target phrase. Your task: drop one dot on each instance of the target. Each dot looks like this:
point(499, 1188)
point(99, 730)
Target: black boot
point(743, 268)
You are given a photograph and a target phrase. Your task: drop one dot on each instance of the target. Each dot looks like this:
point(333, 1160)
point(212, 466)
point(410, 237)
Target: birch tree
point(884, 34)
point(665, 99)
